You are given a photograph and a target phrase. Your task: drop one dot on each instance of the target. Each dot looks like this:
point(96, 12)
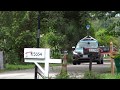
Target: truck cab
point(83, 49)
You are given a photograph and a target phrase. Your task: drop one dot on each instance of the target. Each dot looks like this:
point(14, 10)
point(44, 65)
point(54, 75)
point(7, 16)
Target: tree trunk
point(64, 65)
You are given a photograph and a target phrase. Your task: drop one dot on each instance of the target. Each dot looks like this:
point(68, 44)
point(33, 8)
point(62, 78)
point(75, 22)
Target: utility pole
point(38, 39)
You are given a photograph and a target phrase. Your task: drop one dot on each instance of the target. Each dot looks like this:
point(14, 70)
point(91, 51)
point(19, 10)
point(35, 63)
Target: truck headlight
point(75, 53)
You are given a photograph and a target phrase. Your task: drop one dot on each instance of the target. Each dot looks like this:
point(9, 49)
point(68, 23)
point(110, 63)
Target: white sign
point(43, 57)
point(38, 53)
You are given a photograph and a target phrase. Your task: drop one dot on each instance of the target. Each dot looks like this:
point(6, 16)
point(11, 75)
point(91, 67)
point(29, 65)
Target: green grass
point(55, 64)
point(94, 75)
point(10, 67)
point(19, 67)
point(106, 57)
point(91, 75)
point(110, 76)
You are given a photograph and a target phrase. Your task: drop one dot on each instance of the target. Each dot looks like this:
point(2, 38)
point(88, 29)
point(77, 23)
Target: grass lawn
point(110, 76)
point(10, 67)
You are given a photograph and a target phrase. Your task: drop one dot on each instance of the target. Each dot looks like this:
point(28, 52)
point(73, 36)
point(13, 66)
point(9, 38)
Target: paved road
point(73, 70)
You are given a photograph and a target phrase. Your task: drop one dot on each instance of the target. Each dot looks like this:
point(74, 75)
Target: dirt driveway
point(73, 70)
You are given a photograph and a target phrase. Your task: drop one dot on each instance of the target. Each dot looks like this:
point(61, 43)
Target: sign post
point(90, 64)
point(40, 55)
point(91, 54)
point(38, 37)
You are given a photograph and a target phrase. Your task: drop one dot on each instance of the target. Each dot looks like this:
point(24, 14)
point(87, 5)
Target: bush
point(117, 56)
point(18, 66)
point(91, 75)
point(11, 57)
point(70, 57)
point(110, 76)
point(117, 62)
point(62, 76)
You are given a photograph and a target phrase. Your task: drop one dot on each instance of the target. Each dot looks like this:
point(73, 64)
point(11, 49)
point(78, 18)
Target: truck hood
point(79, 50)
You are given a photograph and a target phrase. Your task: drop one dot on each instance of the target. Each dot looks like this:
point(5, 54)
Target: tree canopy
point(59, 30)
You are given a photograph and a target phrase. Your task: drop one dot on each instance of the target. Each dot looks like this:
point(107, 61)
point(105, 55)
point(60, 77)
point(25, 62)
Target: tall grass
point(91, 75)
point(18, 66)
point(94, 75)
point(110, 76)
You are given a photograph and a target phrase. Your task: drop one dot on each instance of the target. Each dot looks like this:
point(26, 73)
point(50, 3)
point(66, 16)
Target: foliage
point(110, 76)
point(11, 57)
point(59, 30)
point(53, 41)
point(91, 75)
point(69, 57)
point(18, 66)
point(15, 27)
point(62, 76)
point(117, 55)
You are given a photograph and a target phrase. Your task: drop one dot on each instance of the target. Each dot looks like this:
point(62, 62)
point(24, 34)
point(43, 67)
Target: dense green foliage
point(110, 76)
point(59, 30)
point(91, 75)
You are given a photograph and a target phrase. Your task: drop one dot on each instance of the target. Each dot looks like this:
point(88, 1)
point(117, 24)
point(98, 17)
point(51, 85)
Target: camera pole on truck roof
point(88, 27)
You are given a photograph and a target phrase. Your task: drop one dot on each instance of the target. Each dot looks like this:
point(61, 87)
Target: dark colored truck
point(83, 49)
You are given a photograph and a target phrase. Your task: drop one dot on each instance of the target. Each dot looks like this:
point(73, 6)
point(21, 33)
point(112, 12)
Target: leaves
point(59, 30)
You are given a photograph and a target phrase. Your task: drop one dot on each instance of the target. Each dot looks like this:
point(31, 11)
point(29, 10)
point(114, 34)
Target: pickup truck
point(84, 48)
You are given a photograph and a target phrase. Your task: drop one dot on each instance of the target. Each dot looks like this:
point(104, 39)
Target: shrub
point(11, 57)
point(91, 75)
point(62, 76)
point(110, 76)
point(117, 56)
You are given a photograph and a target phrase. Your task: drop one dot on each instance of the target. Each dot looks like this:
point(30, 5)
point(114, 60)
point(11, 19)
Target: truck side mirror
point(66, 52)
point(73, 47)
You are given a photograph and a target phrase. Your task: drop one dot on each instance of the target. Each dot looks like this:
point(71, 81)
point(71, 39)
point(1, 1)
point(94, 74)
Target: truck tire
point(98, 62)
point(74, 62)
point(101, 61)
point(78, 62)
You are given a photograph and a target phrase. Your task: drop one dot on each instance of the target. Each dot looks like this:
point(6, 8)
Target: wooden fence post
point(64, 64)
point(112, 62)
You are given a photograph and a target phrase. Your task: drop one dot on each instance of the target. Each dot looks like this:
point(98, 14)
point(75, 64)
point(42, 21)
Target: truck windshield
point(87, 45)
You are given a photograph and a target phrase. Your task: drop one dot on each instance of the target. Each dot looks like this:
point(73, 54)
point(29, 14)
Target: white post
point(43, 71)
point(40, 55)
point(47, 58)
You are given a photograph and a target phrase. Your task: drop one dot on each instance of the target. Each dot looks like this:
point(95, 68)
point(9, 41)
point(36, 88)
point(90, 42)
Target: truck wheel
point(74, 63)
point(98, 62)
point(78, 62)
point(101, 61)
